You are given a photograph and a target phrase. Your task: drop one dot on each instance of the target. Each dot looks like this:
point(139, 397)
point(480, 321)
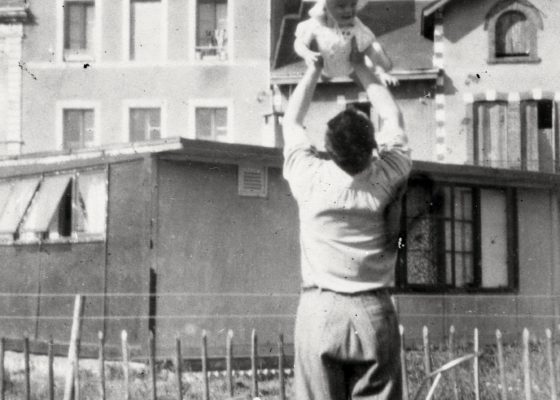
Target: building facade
point(99, 196)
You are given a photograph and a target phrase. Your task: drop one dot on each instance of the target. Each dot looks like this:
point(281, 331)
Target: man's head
point(349, 140)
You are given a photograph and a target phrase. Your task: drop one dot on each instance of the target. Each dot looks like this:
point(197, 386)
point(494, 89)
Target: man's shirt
point(347, 239)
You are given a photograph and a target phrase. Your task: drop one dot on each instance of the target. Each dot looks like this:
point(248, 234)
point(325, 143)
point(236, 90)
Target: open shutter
point(530, 135)
point(18, 202)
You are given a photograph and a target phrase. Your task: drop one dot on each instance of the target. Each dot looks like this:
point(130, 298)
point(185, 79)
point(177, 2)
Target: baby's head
point(350, 140)
point(342, 11)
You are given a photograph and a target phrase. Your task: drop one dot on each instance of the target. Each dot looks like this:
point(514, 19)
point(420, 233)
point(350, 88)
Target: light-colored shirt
point(335, 43)
point(346, 241)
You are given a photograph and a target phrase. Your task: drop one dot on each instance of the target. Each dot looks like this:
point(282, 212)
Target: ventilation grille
point(253, 181)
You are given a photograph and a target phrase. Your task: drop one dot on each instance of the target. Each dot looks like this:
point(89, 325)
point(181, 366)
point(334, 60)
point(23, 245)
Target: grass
point(140, 383)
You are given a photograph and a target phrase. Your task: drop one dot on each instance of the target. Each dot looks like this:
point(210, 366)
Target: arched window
point(512, 31)
point(512, 35)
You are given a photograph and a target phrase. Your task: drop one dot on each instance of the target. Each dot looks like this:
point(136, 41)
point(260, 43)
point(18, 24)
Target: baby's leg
point(379, 96)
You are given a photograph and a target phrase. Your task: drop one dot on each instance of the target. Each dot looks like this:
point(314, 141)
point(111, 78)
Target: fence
point(426, 377)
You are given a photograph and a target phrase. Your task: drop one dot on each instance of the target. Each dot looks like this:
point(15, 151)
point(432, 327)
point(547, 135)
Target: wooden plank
point(451, 356)
point(101, 364)
point(152, 355)
point(403, 365)
point(179, 368)
point(27, 368)
point(205, 388)
point(526, 365)
point(551, 368)
point(73, 347)
point(529, 135)
point(50, 367)
point(282, 381)
point(254, 357)
point(2, 370)
point(475, 366)
point(501, 365)
point(229, 362)
point(125, 364)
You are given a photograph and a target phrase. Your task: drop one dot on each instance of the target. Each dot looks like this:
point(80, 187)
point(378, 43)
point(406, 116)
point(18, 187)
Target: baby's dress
point(335, 43)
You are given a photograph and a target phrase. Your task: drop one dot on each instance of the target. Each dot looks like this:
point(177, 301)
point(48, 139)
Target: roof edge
point(428, 14)
point(14, 14)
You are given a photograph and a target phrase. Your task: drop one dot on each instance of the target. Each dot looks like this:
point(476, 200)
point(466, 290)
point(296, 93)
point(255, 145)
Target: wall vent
point(253, 181)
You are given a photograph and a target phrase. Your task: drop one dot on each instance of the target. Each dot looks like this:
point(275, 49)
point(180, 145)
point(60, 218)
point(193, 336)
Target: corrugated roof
point(396, 23)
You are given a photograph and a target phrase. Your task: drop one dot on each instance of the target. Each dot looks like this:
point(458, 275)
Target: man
point(346, 337)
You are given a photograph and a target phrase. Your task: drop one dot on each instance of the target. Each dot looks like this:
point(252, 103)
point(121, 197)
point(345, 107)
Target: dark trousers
point(347, 347)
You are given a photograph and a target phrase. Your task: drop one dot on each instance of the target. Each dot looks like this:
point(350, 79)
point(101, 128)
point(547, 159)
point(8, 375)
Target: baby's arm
point(302, 49)
point(381, 63)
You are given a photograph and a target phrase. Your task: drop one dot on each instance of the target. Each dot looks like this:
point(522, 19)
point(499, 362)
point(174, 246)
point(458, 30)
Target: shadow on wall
point(388, 16)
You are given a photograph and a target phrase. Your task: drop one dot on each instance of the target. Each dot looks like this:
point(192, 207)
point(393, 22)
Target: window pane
point(45, 203)
point(204, 119)
point(448, 236)
point(221, 124)
point(494, 238)
point(145, 124)
point(78, 128)
point(463, 237)
point(145, 30)
point(20, 196)
point(91, 203)
point(79, 21)
point(450, 275)
point(464, 274)
point(89, 124)
point(491, 132)
point(463, 204)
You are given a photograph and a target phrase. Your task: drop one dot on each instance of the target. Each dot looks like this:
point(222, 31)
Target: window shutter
point(253, 181)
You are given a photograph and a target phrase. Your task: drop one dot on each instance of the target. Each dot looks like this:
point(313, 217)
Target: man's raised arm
point(298, 105)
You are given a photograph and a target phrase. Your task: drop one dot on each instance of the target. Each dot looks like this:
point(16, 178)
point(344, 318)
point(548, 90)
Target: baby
point(333, 26)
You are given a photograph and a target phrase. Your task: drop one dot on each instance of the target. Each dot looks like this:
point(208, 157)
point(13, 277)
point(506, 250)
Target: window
point(512, 36)
point(212, 29)
point(538, 139)
point(211, 123)
point(144, 124)
point(79, 26)
point(67, 206)
point(78, 128)
point(512, 28)
point(457, 237)
point(146, 30)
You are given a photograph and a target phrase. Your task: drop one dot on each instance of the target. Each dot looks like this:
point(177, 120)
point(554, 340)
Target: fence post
point(73, 347)
point(101, 366)
point(281, 379)
point(2, 370)
point(27, 368)
point(403, 364)
point(125, 366)
point(206, 386)
point(427, 356)
point(254, 356)
point(453, 372)
point(50, 361)
point(501, 364)
point(229, 361)
point(475, 366)
point(552, 370)
point(526, 365)
point(179, 368)
point(152, 350)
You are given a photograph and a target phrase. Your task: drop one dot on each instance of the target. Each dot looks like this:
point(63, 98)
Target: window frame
point(534, 23)
point(211, 103)
point(127, 39)
point(512, 260)
point(193, 23)
point(94, 55)
point(64, 105)
point(30, 237)
point(130, 104)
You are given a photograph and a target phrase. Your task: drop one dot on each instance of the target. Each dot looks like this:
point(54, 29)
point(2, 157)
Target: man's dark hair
point(350, 141)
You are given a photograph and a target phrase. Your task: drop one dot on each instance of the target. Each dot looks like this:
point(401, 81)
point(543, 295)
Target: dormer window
point(512, 32)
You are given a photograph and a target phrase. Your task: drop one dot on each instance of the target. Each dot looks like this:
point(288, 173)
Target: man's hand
point(385, 78)
point(313, 59)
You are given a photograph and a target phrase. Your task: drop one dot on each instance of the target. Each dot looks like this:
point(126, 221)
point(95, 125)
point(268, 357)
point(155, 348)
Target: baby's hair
point(319, 9)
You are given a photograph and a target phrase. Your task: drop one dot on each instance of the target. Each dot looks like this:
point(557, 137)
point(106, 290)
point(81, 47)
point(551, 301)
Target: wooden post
point(453, 372)
point(179, 368)
point(77, 372)
point(282, 381)
point(2, 370)
point(27, 368)
point(73, 347)
point(475, 366)
point(125, 364)
point(101, 365)
point(433, 387)
point(229, 362)
point(206, 386)
point(254, 357)
point(501, 364)
point(551, 369)
point(50, 357)
point(403, 364)
point(526, 365)
point(427, 356)
point(152, 349)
